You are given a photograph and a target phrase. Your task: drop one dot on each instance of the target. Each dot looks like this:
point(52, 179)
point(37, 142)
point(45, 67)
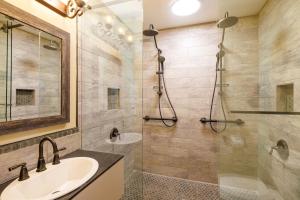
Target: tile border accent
point(29, 142)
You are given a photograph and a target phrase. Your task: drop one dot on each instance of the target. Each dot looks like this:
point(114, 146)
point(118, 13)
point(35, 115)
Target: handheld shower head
point(227, 21)
point(220, 54)
point(151, 31)
point(161, 59)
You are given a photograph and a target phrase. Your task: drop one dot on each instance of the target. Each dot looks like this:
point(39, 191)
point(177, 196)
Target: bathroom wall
point(191, 150)
point(22, 146)
point(108, 60)
point(279, 38)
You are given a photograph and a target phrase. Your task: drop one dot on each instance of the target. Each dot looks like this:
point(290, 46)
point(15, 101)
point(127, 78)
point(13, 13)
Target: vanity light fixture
point(76, 7)
point(185, 7)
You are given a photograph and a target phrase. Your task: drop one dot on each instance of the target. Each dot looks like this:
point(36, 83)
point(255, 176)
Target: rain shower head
point(227, 21)
point(54, 46)
point(151, 31)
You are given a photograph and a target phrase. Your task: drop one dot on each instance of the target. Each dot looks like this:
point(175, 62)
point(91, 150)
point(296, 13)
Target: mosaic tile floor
point(157, 187)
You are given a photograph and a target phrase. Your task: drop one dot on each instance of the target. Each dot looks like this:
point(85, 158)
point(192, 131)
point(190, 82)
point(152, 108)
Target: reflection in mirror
point(30, 71)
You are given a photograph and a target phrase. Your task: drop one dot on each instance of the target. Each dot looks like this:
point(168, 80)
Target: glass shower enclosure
point(259, 159)
point(110, 84)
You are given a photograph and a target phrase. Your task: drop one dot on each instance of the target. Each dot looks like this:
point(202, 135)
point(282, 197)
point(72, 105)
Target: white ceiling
point(158, 12)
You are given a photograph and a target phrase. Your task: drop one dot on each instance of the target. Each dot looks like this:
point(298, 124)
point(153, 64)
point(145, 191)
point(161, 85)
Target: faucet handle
point(273, 148)
point(281, 147)
point(23, 172)
point(56, 159)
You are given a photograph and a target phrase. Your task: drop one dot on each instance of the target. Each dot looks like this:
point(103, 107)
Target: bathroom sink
point(126, 138)
point(55, 182)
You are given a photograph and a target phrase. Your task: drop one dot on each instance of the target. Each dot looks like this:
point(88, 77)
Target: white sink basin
point(126, 138)
point(55, 182)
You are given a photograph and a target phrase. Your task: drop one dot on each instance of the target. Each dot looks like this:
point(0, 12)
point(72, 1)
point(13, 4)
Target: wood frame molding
point(55, 5)
point(27, 124)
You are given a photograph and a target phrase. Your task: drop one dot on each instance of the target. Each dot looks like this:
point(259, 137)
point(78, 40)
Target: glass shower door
point(259, 159)
point(110, 51)
point(238, 143)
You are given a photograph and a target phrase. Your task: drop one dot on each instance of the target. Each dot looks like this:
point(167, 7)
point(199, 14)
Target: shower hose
point(219, 62)
point(161, 76)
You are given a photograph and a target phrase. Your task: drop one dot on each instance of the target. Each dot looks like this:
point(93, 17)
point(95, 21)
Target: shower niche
point(113, 98)
point(25, 97)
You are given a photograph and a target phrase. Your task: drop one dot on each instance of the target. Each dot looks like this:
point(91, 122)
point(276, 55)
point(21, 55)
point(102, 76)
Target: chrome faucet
point(41, 165)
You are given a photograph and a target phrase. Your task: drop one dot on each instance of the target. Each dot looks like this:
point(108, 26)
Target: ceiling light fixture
point(185, 7)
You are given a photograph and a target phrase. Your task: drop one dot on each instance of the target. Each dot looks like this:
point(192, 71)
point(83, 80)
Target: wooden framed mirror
point(34, 72)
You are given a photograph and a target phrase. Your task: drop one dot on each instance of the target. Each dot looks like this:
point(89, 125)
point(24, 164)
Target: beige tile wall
point(279, 38)
point(190, 150)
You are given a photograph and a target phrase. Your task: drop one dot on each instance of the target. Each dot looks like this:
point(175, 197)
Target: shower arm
point(223, 33)
point(158, 49)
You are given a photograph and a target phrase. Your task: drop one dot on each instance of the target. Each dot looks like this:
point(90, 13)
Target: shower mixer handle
point(280, 146)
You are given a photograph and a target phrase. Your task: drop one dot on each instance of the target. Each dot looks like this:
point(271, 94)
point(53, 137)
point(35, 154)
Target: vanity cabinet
point(109, 186)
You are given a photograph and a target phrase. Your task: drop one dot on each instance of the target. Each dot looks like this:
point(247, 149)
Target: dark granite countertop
point(105, 160)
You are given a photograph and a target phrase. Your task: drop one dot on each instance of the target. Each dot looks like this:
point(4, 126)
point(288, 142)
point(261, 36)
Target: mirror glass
point(30, 71)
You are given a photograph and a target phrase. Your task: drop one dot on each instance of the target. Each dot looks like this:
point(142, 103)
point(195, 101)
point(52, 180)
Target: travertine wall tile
point(190, 150)
point(278, 65)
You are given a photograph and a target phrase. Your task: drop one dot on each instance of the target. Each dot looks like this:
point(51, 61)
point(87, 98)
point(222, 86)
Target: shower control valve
point(281, 145)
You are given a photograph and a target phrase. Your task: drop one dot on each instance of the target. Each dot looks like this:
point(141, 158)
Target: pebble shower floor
point(158, 187)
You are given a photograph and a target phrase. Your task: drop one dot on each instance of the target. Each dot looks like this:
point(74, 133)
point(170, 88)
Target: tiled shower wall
point(190, 150)
point(279, 65)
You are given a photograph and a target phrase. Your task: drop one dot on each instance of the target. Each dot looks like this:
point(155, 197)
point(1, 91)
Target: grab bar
point(238, 121)
point(147, 118)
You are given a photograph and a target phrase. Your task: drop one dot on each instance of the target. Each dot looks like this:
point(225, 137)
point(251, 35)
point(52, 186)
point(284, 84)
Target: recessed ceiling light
point(185, 7)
